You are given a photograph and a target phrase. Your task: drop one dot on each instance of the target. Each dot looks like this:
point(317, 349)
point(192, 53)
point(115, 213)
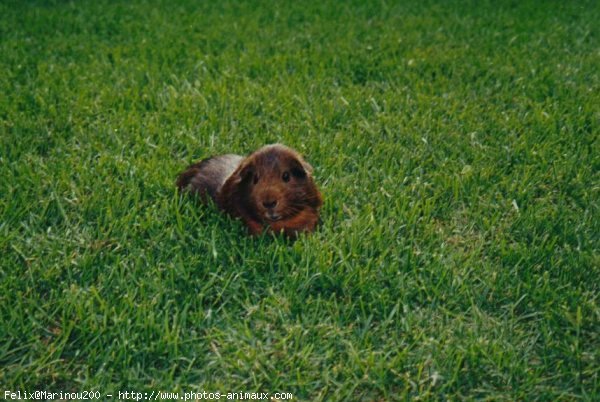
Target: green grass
point(456, 144)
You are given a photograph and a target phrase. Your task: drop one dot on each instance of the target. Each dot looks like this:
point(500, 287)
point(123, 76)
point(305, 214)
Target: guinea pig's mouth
point(272, 216)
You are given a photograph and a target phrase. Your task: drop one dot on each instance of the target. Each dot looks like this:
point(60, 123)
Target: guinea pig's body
point(206, 177)
point(271, 189)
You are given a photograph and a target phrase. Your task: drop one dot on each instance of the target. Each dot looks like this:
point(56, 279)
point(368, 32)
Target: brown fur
point(272, 189)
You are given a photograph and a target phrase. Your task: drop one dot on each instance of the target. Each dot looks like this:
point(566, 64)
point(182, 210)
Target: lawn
point(457, 147)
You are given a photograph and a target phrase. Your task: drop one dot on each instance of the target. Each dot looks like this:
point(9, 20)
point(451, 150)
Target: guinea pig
point(272, 189)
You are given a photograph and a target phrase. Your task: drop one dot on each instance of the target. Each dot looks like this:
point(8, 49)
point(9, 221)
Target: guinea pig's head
point(279, 183)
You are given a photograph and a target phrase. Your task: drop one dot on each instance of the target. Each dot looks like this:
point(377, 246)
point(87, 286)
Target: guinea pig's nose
point(270, 204)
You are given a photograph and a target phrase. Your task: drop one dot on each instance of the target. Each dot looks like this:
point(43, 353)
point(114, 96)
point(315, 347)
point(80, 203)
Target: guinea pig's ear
point(300, 168)
point(233, 188)
point(244, 172)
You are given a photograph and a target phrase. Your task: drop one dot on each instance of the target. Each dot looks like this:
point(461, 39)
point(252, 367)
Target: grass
point(456, 144)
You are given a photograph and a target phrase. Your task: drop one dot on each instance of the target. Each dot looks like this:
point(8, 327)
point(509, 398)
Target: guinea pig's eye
point(255, 180)
point(286, 176)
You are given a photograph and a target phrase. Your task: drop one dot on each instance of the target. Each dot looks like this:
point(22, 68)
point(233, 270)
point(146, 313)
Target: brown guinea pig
point(272, 189)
